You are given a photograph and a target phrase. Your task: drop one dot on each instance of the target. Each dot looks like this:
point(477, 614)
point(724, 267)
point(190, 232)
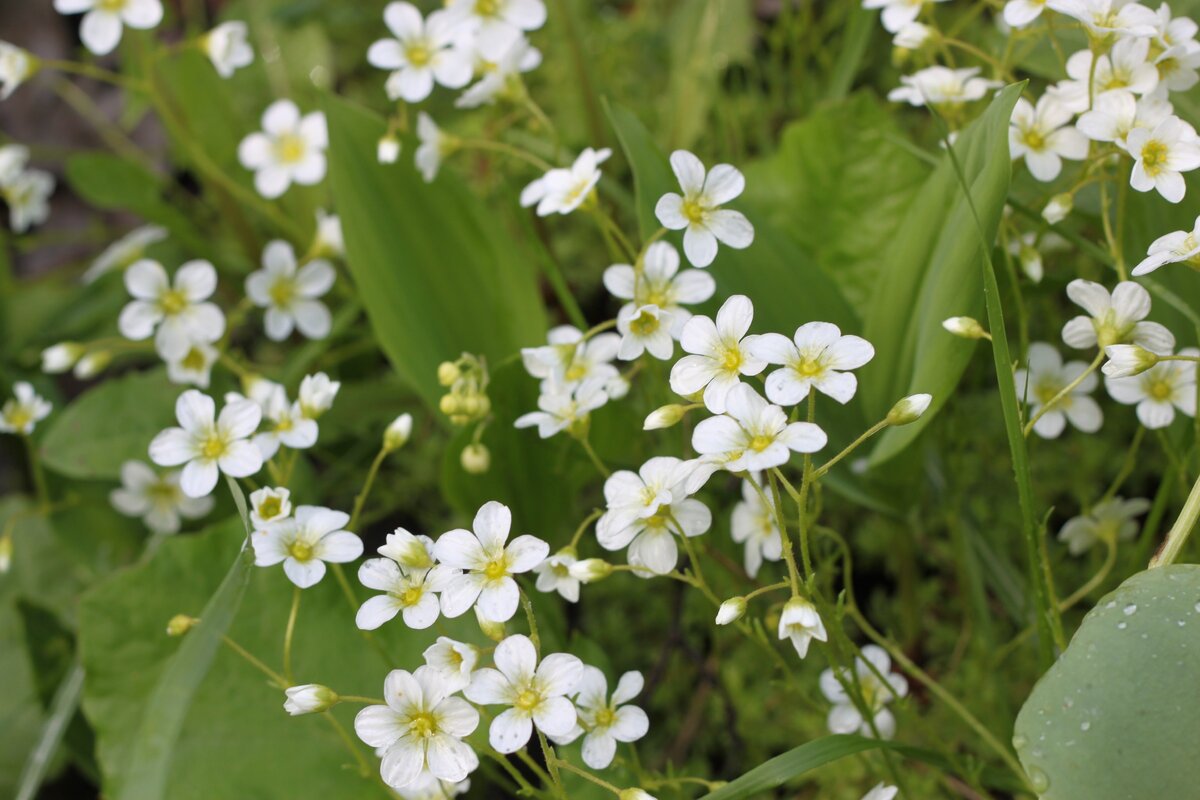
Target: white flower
point(845, 717)
point(913, 36)
point(500, 76)
point(1123, 69)
point(699, 211)
point(1119, 318)
point(562, 409)
point(407, 550)
point(305, 542)
point(1172, 31)
point(428, 787)
point(61, 357)
point(227, 47)
point(317, 393)
point(1058, 208)
point(1174, 248)
point(487, 563)
point(287, 426)
point(125, 251)
point(554, 575)
point(15, 66)
point(1043, 135)
point(421, 728)
point(1105, 17)
point(422, 52)
point(195, 367)
point(908, 410)
point(328, 242)
point(411, 592)
point(880, 791)
point(1161, 154)
point(13, 160)
point(207, 443)
point(1019, 13)
point(1126, 360)
point(753, 523)
point(800, 623)
point(569, 360)
point(397, 432)
point(1115, 114)
point(103, 20)
point(156, 498)
point(387, 151)
point(434, 145)
point(1177, 66)
point(608, 721)
point(309, 698)
point(28, 197)
point(753, 434)
point(941, 86)
point(24, 410)
point(661, 284)
point(1044, 379)
point(269, 505)
point(177, 314)
point(1108, 521)
point(535, 693)
point(898, 13)
point(815, 358)
point(290, 148)
point(496, 25)
point(647, 509)
point(290, 294)
point(562, 190)
point(1159, 391)
point(642, 329)
point(720, 353)
point(453, 660)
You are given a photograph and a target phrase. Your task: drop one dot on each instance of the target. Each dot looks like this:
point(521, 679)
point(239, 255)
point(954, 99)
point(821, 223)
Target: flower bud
point(61, 357)
point(1057, 209)
point(1125, 360)
point(731, 610)
point(388, 149)
point(616, 388)
point(317, 393)
point(590, 570)
point(180, 624)
point(92, 364)
point(664, 417)
point(909, 409)
point(448, 373)
point(635, 794)
point(491, 629)
point(397, 433)
point(476, 458)
point(309, 698)
point(966, 327)
point(449, 404)
point(6, 553)
point(912, 36)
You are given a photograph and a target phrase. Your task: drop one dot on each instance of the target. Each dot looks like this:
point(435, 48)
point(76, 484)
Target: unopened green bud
point(966, 327)
point(1125, 360)
point(309, 698)
point(909, 409)
point(590, 570)
point(731, 610)
point(448, 373)
point(181, 624)
point(397, 433)
point(476, 458)
point(664, 417)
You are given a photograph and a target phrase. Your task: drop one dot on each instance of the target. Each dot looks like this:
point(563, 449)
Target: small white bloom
point(908, 410)
point(421, 728)
point(207, 443)
point(817, 357)
point(61, 357)
point(15, 66)
point(177, 314)
point(501, 77)
point(564, 189)
point(387, 151)
point(290, 295)
point(93, 363)
point(103, 20)
point(644, 329)
point(13, 160)
point(317, 393)
point(1108, 521)
point(898, 13)
point(753, 523)
point(964, 327)
point(1058, 208)
point(913, 36)
point(228, 48)
point(1126, 360)
point(305, 542)
point(286, 425)
point(434, 146)
point(28, 197)
point(125, 251)
point(1159, 391)
point(156, 498)
point(753, 434)
point(1161, 155)
point(561, 409)
point(1177, 66)
point(410, 591)
point(1172, 31)
point(608, 721)
point(309, 698)
point(269, 505)
point(397, 433)
point(1019, 13)
point(881, 791)
point(407, 550)
point(453, 660)
point(1117, 318)
point(939, 85)
point(720, 353)
point(535, 693)
point(1115, 114)
point(1045, 377)
point(800, 623)
point(496, 25)
point(1122, 70)
point(731, 610)
point(1175, 248)
point(699, 209)
point(845, 716)
point(1043, 136)
point(328, 242)
point(424, 51)
point(1103, 18)
point(554, 575)
point(488, 565)
point(195, 367)
point(289, 149)
point(568, 359)
point(661, 284)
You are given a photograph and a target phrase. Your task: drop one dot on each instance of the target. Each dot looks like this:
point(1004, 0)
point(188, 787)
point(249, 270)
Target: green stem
point(38, 475)
point(776, 504)
point(583, 526)
point(1063, 392)
point(828, 465)
point(552, 764)
point(583, 773)
point(255, 662)
point(289, 634)
point(508, 150)
point(361, 498)
point(90, 71)
point(587, 446)
point(1178, 535)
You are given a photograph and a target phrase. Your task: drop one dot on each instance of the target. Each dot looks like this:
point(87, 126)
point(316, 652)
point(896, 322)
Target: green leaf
point(1117, 716)
point(935, 271)
point(652, 176)
point(108, 425)
point(432, 265)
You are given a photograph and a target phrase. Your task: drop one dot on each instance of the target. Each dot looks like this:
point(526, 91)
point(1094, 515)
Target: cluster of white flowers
point(25, 190)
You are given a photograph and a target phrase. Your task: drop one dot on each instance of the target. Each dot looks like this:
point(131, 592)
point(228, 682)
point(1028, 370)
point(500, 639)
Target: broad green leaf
point(1118, 715)
point(935, 271)
point(435, 270)
point(652, 176)
point(108, 425)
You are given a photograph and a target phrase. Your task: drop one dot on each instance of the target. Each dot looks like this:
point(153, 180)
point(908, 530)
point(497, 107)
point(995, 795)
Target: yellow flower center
point(194, 360)
point(1034, 139)
point(605, 718)
point(419, 55)
point(301, 551)
point(162, 492)
point(644, 324)
point(1046, 391)
point(487, 8)
point(660, 516)
point(290, 148)
point(693, 211)
point(1154, 157)
point(496, 569)
point(172, 302)
point(111, 6)
point(18, 416)
point(282, 292)
point(422, 725)
point(411, 596)
point(761, 442)
point(213, 447)
point(576, 371)
point(270, 508)
point(809, 367)
point(527, 700)
point(1160, 390)
point(731, 359)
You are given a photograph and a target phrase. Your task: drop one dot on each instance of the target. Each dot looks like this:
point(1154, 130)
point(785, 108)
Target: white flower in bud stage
point(104, 20)
point(1043, 136)
point(59, 358)
point(1103, 18)
point(720, 353)
point(560, 408)
point(1115, 114)
point(328, 242)
point(177, 314)
point(125, 251)
point(1045, 377)
point(1117, 318)
point(753, 524)
point(487, 563)
point(24, 410)
point(1177, 247)
point(286, 425)
point(15, 66)
point(908, 410)
point(898, 13)
point(317, 393)
point(1019, 13)
point(421, 728)
point(661, 284)
point(816, 358)
point(1108, 521)
point(913, 36)
point(800, 623)
point(208, 444)
point(753, 434)
point(434, 145)
point(554, 575)
point(28, 197)
point(496, 25)
point(635, 794)
point(882, 791)
point(410, 591)
point(564, 189)
point(1058, 208)
point(156, 498)
point(398, 431)
point(305, 542)
point(269, 505)
point(424, 51)
point(569, 360)
point(964, 327)
point(290, 294)
point(939, 85)
point(1126, 360)
point(195, 367)
point(500, 76)
point(289, 149)
point(1159, 391)
point(387, 151)
point(535, 693)
point(698, 211)
point(606, 721)
point(309, 698)
point(1161, 155)
point(590, 570)
point(845, 716)
point(647, 510)
point(228, 48)
point(644, 329)
point(454, 660)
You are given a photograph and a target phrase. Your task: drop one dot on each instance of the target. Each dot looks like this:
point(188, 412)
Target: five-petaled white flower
point(207, 443)
point(606, 721)
point(177, 314)
point(569, 359)
point(289, 294)
point(800, 623)
point(660, 283)
point(561, 408)
point(411, 590)
point(1045, 377)
point(497, 25)
point(287, 425)
point(420, 729)
point(554, 575)
point(424, 51)
point(1108, 521)
point(564, 189)
point(500, 77)
point(227, 47)
point(317, 393)
point(156, 498)
point(1122, 70)
point(815, 358)
point(487, 564)
point(304, 543)
point(269, 504)
point(753, 434)
point(434, 146)
point(720, 353)
point(536, 693)
point(699, 211)
point(27, 194)
point(23, 410)
point(644, 329)
point(454, 660)
point(103, 20)
point(1115, 114)
point(125, 251)
point(195, 367)
point(289, 149)
point(940, 85)
point(1161, 155)
point(877, 692)
point(1159, 391)
point(754, 523)
point(1174, 248)
point(1044, 136)
point(1119, 318)
point(1103, 18)
point(15, 66)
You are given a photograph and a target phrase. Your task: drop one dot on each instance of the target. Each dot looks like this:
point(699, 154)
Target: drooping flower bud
point(476, 458)
point(909, 409)
point(731, 610)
